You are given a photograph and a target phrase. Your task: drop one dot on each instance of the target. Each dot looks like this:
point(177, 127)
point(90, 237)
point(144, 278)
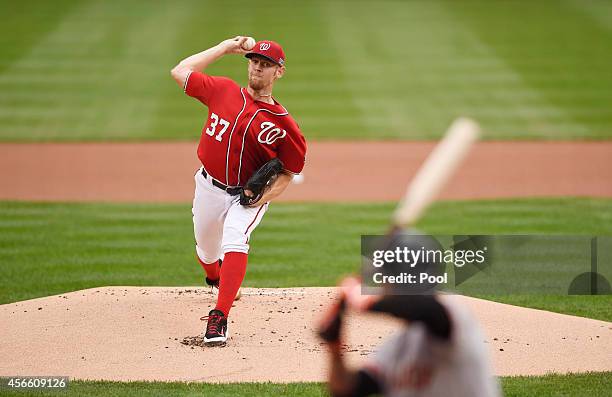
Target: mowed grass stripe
point(563, 69)
point(96, 70)
point(102, 58)
point(50, 248)
point(422, 48)
point(24, 24)
point(599, 11)
point(570, 385)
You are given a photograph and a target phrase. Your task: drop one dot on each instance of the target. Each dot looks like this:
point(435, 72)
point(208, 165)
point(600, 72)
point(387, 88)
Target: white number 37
point(215, 121)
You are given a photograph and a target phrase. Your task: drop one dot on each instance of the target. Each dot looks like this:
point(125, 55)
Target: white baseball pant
point(220, 223)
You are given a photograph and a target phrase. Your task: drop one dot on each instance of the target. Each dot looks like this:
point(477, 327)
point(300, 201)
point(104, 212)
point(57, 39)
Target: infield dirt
point(371, 171)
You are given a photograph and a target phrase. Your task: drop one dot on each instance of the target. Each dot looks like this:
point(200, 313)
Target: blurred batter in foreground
point(440, 351)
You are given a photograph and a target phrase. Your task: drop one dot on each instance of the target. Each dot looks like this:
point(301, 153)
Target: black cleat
point(216, 330)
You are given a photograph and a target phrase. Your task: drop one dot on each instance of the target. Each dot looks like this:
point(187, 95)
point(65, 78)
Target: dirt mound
point(154, 333)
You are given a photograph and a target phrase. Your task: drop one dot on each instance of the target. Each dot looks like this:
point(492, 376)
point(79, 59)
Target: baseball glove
point(260, 181)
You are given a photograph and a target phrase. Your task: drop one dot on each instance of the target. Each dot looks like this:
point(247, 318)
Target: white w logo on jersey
point(270, 133)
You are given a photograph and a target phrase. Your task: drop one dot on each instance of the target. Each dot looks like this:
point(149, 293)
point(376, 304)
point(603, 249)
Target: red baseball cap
point(268, 49)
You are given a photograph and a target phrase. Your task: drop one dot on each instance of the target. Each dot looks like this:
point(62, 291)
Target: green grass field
point(99, 70)
point(578, 385)
point(49, 249)
point(94, 70)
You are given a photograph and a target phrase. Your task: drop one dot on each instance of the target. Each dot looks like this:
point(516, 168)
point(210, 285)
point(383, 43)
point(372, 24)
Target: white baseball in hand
point(248, 44)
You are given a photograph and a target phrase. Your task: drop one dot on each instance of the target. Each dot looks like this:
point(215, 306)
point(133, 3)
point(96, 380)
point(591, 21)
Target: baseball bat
point(436, 171)
point(426, 184)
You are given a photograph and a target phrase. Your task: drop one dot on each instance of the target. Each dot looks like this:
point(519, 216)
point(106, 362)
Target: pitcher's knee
point(235, 247)
point(206, 257)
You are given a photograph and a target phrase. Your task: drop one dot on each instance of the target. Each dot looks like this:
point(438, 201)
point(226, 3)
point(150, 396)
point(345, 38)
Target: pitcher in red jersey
point(246, 127)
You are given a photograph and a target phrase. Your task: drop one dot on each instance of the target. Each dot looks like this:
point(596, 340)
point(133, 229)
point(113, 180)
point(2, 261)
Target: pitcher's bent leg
point(209, 211)
point(239, 224)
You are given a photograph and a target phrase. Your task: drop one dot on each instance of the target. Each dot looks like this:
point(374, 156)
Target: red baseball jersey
point(241, 134)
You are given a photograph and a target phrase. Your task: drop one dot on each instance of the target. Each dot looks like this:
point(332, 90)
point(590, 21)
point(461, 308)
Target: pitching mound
point(133, 333)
